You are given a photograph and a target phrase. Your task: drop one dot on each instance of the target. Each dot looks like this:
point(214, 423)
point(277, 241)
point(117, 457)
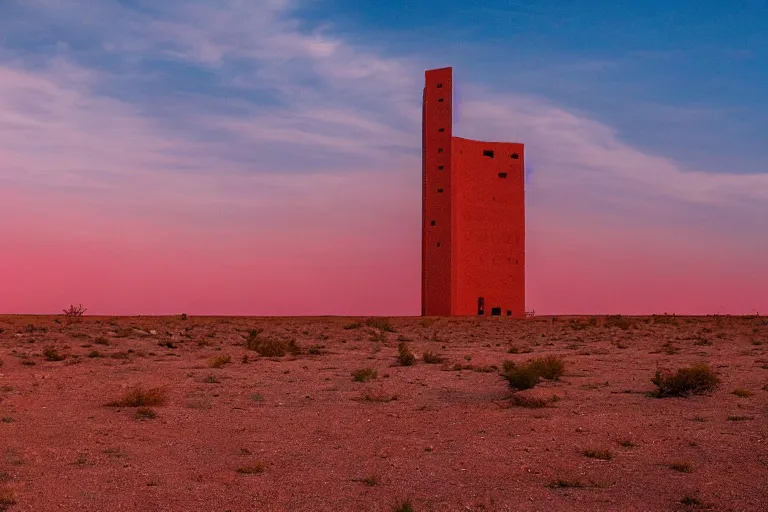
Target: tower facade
point(473, 215)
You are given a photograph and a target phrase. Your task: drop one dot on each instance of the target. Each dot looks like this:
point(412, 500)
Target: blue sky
point(644, 121)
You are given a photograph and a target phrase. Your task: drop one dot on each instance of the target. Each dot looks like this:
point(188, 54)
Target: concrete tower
point(473, 216)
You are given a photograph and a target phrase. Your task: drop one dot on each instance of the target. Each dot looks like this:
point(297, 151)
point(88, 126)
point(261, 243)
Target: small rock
point(153, 332)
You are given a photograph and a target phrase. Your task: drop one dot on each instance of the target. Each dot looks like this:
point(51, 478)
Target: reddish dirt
point(451, 440)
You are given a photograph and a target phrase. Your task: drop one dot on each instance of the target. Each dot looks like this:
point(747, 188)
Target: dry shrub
point(742, 393)
point(549, 367)
point(528, 374)
point(353, 325)
point(619, 321)
point(139, 397)
point(431, 358)
point(7, 498)
point(598, 454)
point(74, 313)
point(696, 379)
point(380, 323)
point(252, 469)
point(219, 361)
point(529, 401)
point(145, 413)
point(664, 319)
point(51, 354)
point(364, 374)
point(404, 355)
point(271, 347)
point(683, 467)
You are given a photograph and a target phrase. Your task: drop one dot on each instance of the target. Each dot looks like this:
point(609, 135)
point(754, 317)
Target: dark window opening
point(441, 130)
point(439, 150)
point(440, 100)
point(432, 223)
point(440, 167)
point(502, 175)
point(439, 191)
point(480, 306)
point(495, 311)
point(515, 156)
point(488, 153)
point(438, 244)
point(509, 312)
point(439, 86)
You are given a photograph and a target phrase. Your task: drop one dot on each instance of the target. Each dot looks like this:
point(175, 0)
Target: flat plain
point(203, 413)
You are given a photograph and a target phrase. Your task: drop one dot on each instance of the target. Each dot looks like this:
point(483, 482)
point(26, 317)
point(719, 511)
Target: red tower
point(473, 216)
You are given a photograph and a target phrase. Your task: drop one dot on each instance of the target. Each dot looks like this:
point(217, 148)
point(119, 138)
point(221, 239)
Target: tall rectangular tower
point(473, 216)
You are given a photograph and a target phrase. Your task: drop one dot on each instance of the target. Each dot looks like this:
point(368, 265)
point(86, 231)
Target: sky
point(233, 157)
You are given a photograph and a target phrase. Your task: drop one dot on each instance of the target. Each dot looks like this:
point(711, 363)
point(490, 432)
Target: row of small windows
point(490, 154)
point(486, 152)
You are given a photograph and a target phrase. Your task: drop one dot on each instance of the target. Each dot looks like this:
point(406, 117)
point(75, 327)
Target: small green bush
point(696, 379)
point(528, 374)
point(404, 355)
point(364, 374)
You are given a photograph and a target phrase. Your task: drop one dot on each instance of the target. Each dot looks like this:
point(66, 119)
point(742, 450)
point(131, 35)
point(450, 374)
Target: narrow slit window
point(488, 153)
point(440, 100)
point(480, 306)
point(441, 130)
point(432, 223)
point(438, 244)
point(502, 175)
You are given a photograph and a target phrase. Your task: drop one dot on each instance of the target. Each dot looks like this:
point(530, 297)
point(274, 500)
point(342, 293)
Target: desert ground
point(173, 413)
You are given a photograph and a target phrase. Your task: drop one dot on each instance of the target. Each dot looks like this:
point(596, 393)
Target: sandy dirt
point(443, 436)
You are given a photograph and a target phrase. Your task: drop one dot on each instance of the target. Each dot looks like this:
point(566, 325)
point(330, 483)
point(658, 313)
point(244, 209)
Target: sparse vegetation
point(403, 506)
point(7, 498)
point(51, 354)
point(380, 323)
point(696, 379)
point(74, 313)
point(683, 467)
point(742, 393)
point(567, 483)
point(140, 397)
point(364, 374)
point(618, 321)
point(528, 374)
point(431, 358)
point(371, 480)
point(740, 418)
point(353, 325)
point(404, 355)
point(145, 413)
point(598, 454)
point(271, 346)
point(219, 361)
point(532, 402)
point(626, 443)
point(252, 469)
